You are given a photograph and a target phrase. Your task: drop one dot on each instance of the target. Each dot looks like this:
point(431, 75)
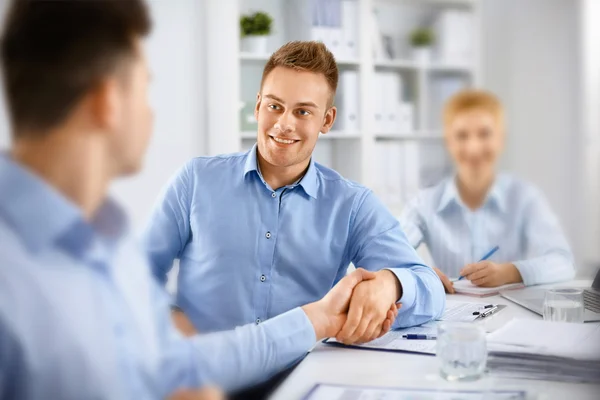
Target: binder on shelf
point(392, 89)
point(379, 101)
point(454, 37)
point(349, 14)
point(406, 116)
point(348, 101)
point(412, 170)
point(395, 175)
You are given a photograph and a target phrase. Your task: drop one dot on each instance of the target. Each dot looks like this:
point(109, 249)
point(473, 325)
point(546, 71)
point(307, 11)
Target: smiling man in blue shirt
point(81, 316)
point(261, 232)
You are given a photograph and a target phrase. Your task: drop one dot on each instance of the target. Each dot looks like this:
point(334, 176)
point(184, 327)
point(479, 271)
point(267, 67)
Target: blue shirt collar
point(309, 182)
point(42, 216)
point(450, 195)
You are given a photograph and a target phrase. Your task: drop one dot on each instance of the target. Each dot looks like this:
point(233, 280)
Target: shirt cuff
point(292, 333)
point(409, 286)
point(527, 271)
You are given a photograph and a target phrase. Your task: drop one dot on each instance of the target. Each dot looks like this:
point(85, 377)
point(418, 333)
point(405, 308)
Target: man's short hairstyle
point(305, 56)
point(54, 52)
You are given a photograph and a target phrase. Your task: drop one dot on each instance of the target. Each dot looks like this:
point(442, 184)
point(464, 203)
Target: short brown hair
point(305, 56)
point(54, 52)
point(471, 99)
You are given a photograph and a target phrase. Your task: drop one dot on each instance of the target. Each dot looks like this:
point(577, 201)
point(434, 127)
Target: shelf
point(449, 3)
point(463, 69)
point(333, 135)
point(341, 135)
point(397, 64)
point(263, 58)
point(254, 57)
point(410, 136)
point(412, 65)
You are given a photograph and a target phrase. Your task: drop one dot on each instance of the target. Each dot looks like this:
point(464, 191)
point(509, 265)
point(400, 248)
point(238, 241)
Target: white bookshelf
point(353, 153)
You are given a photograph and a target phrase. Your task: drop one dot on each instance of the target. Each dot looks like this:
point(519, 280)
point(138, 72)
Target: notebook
point(466, 287)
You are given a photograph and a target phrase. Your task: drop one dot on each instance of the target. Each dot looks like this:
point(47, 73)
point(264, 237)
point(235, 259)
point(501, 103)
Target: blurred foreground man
point(80, 315)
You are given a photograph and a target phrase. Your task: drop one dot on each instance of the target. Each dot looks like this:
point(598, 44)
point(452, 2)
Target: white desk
point(329, 364)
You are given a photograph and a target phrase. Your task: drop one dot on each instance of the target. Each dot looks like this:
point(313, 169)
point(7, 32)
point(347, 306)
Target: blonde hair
point(305, 56)
point(471, 99)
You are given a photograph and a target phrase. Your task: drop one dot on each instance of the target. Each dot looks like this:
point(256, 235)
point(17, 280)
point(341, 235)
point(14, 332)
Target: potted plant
point(421, 40)
point(255, 28)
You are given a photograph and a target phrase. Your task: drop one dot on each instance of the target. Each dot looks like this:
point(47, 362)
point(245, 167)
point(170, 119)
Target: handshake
point(360, 308)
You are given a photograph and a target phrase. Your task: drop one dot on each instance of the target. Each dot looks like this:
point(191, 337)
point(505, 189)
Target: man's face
point(292, 108)
point(134, 117)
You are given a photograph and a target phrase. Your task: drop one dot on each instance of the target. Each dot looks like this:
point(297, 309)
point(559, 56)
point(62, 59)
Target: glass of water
point(461, 351)
point(564, 305)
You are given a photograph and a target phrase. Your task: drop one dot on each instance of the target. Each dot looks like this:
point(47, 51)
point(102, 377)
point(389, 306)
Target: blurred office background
point(541, 57)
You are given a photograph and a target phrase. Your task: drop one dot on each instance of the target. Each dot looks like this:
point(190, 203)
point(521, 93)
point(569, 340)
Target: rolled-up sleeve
point(378, 242)
point(549, 255)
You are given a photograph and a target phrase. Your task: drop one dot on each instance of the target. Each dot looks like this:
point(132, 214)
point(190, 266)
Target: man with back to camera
point(260, 232)
point(80, 315)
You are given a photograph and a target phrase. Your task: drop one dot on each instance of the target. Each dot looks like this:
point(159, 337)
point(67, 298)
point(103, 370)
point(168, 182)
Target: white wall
point(175, 57)
point(531, 59)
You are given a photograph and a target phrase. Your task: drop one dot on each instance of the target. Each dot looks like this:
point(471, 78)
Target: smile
point(283, 141)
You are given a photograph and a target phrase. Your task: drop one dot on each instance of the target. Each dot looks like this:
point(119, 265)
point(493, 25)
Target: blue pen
point(413, 336)
point(488, 255)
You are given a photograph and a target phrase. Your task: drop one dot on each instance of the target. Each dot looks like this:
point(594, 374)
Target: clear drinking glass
point(564, 305)
point(461, 351)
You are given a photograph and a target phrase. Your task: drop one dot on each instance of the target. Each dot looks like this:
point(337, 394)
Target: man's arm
point(253, 353)
point(377, 243)
point(13, 376)
point(168, 228)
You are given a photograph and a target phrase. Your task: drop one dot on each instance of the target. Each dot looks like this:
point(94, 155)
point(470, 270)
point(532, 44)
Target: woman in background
point(465, 216)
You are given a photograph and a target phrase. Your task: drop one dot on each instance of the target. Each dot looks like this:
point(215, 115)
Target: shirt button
point(257, 321)
point(268, 235)
point(263, 278)
point(273, 194)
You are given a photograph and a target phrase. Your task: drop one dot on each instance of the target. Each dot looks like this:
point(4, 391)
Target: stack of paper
point(464, 286)
point(534, 349)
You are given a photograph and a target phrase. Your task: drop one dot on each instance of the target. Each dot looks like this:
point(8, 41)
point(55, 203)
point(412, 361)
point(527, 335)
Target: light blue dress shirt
point(81, 316)
point(515, 216)
point(249, 253)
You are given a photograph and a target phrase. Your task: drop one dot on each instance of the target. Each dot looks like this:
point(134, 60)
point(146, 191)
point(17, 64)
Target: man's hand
point(448, 284)
point(328, 315)
point(370, 307)
point(491, 274)
point(183, 323)
point(207, 393)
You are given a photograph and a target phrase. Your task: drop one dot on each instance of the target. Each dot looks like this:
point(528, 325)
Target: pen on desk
point(488, 255)
point(488, 312)
point(412, 336)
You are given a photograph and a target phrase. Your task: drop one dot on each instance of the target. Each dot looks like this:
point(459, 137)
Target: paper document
point(463, 311)
point(343, 392)
point(553, 351)
point(466, 287)
point(393, 341)
point(562, 339)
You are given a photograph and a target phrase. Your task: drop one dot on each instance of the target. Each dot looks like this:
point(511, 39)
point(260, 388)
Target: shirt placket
point(269, 230)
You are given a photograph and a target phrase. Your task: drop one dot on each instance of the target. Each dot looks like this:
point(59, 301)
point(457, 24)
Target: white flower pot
point(421, 55)
point(255, 44)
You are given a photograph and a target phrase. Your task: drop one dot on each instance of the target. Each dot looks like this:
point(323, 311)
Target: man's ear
point(105, 104)
point(329, 119)
point(257, 106)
